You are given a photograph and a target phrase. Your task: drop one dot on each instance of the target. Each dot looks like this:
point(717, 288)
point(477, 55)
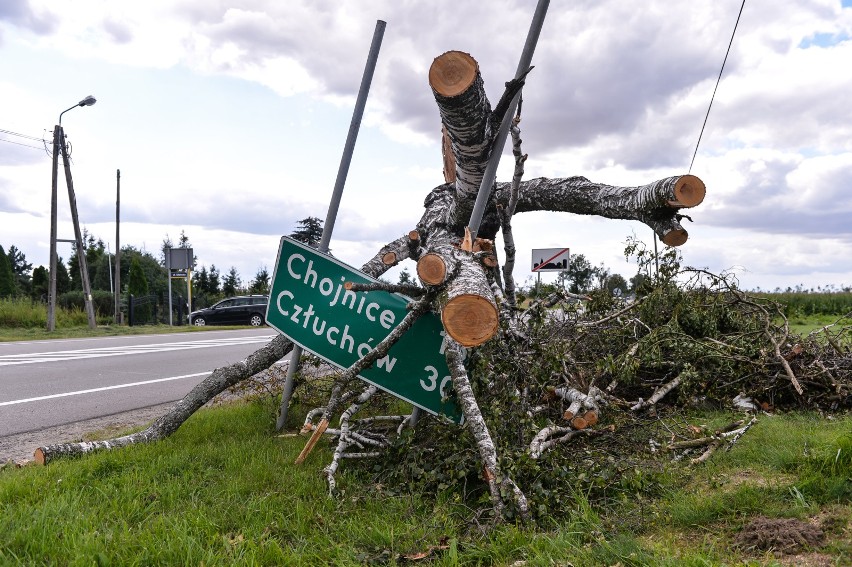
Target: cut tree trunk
point(468, 310)
point(220, 380)
point(465, 111)
point(655, 204)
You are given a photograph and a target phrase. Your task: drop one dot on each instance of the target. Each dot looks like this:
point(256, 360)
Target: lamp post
point(51, 292)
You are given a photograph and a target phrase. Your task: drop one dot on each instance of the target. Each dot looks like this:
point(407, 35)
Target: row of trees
point(141, 272)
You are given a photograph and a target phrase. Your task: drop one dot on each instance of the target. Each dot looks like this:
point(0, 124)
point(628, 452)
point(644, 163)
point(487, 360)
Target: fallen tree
point(536, 381)
point(459, 274)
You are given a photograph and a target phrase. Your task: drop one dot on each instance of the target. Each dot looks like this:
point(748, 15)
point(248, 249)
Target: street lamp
point(88, 101)
point(58, 143)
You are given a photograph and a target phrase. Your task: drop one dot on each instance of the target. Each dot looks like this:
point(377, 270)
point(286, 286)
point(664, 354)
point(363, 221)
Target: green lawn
point(804, 325)
point(223, 490)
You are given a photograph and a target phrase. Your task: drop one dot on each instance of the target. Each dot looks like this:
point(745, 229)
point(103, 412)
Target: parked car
point(240, 310)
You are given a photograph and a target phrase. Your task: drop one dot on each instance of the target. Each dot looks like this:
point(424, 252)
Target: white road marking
point(64, 355)
point(93, 390)
point(109, 338)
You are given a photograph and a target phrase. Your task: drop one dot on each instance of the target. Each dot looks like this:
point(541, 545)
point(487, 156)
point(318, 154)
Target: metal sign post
point(331, 216)
point(169, 272)
point(309, 305)
point(490, 173)
point(179, 263)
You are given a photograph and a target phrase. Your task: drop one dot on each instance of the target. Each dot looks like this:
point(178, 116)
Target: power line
point(21, 135)
point(20, 144)
point(718, 79)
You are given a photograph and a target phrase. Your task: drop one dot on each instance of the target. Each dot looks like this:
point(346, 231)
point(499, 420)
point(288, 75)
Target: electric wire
point(2, 131)
point(718, 79)
point(20, 144)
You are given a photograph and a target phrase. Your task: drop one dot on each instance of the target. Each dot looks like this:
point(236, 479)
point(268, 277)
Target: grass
point(806, 324)
point(223, 490)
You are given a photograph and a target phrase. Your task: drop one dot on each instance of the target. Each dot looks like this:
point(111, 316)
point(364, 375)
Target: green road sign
point(309, 305)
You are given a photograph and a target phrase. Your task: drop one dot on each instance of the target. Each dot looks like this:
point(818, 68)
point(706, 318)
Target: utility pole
point(51, 286)
point(59, 142)
point(78, 236)
point(117, 249)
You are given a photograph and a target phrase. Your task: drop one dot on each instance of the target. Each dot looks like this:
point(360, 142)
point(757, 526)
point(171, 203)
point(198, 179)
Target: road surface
point(49, 383)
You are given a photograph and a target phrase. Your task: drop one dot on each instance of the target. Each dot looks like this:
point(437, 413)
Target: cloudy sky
point(227, 121)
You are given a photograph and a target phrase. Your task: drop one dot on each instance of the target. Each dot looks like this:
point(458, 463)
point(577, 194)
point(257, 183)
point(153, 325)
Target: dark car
point(241, 310)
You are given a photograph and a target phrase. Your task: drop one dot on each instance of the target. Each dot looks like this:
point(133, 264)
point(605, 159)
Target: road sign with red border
point(550, 259)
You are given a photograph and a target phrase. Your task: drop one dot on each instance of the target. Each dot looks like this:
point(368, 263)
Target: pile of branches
point(588, 397)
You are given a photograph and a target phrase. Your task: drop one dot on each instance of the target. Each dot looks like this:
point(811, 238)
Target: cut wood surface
point(431, 269)
point(453, 73)
point(468, 309)
point(689, 191)
point(470, 319)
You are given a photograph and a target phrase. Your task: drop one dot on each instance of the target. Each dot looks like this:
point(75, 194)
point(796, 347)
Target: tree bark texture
point(507, 211)
point(655, 204)
point(497, 482)
point(465, 112)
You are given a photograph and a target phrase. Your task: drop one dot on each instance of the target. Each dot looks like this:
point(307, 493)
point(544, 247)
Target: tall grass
point(806, 304)
point(27, 314)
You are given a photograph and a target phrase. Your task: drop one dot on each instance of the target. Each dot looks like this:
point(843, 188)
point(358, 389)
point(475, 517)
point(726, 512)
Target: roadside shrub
point(102, 300)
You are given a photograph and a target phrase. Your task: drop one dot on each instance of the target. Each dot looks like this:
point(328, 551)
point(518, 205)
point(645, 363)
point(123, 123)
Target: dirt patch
point(781, 535)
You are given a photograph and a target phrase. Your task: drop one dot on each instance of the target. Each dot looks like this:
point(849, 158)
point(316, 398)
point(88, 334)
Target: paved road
point(49, 383)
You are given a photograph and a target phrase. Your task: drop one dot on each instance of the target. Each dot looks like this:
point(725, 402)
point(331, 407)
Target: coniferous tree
point(231, 283)
point(137, 284)
point(94, 251)
point(7, 276)
point(41, 279)
point(406, 279)
point(260, 283)
point(63, 280)
point(309, 231)
point(213, 280)
point(21, 269)
point(201, 280)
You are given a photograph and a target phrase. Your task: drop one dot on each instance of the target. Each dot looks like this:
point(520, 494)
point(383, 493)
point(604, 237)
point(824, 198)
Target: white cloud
point(229, 118)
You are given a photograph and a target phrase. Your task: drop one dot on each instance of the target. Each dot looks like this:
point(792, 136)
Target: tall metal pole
point(500, 141)
point(168, 252)
point(331, 216)
point(189, 292)
point(51, 286)
point(117, 248)
point(81, 254)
